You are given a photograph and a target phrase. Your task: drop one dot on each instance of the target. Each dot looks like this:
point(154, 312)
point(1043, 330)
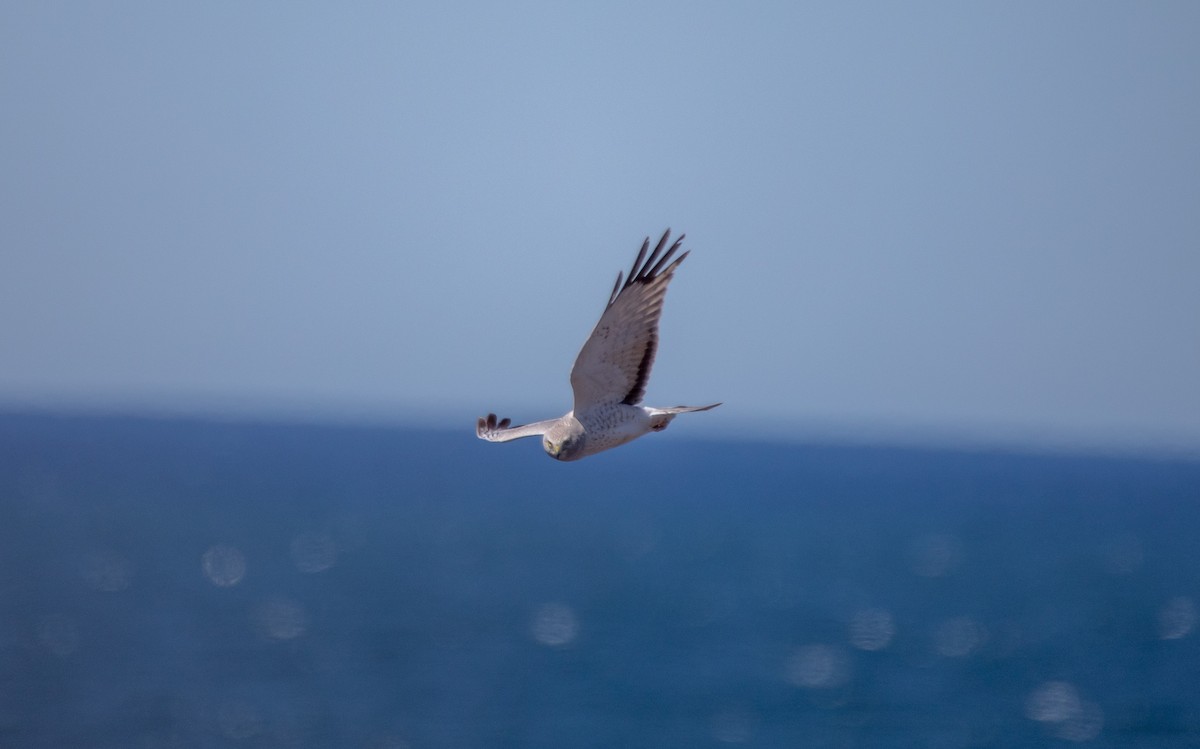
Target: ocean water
point(175, 583)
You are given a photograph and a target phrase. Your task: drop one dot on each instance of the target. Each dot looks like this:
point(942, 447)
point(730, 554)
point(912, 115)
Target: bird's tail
point(661, 417)
point(685, 409)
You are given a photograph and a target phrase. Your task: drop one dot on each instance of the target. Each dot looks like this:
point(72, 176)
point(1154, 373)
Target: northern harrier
point(610, 373)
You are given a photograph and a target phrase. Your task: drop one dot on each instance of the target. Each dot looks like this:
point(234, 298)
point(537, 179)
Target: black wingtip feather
point(654, 271)
point(646, 269)
point(658, 248)
point(640, 257)
point(616, 287)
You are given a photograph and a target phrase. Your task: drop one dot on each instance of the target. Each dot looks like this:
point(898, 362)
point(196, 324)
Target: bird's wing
point(614, 363)
point(499, 431)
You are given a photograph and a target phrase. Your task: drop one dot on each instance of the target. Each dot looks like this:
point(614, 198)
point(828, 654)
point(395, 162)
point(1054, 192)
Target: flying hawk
point(610, 373)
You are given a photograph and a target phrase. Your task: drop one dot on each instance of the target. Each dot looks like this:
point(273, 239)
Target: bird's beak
point(552, 448)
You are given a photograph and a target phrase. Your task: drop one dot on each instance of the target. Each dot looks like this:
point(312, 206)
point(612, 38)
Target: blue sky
point(956, 219)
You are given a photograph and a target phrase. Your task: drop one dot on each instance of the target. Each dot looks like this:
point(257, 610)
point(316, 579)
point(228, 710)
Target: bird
point(610, 374)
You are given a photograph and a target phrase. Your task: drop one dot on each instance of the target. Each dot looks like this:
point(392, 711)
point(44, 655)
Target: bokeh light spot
point(224, 566)
point(872, 629)
point(554, 625)
point(1177, 619)
point(1082, 725)
point(818, 666)
point(1057, 705)
point(1052, 702)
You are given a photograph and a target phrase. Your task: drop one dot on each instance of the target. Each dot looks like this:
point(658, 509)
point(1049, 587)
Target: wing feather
point(614, 364)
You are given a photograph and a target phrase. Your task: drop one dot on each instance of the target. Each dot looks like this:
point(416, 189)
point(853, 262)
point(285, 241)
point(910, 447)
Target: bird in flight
point(610, 373)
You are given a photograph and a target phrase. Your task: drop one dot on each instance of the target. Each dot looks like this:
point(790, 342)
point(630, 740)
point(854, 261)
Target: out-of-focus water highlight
point(173, 583)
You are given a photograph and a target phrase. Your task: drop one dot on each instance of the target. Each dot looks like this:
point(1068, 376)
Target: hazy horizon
point(931, 221)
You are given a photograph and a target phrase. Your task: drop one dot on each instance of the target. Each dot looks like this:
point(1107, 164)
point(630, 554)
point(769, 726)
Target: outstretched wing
point(614, 363)
point(499, 431)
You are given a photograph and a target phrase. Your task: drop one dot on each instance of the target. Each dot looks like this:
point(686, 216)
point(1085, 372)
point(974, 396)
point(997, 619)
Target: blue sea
point(188, 583)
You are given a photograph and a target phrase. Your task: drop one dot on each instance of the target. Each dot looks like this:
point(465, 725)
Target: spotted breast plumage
point(611, 371)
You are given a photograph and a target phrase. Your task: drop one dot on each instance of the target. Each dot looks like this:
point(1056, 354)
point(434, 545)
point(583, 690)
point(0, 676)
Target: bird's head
point(564, 440)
